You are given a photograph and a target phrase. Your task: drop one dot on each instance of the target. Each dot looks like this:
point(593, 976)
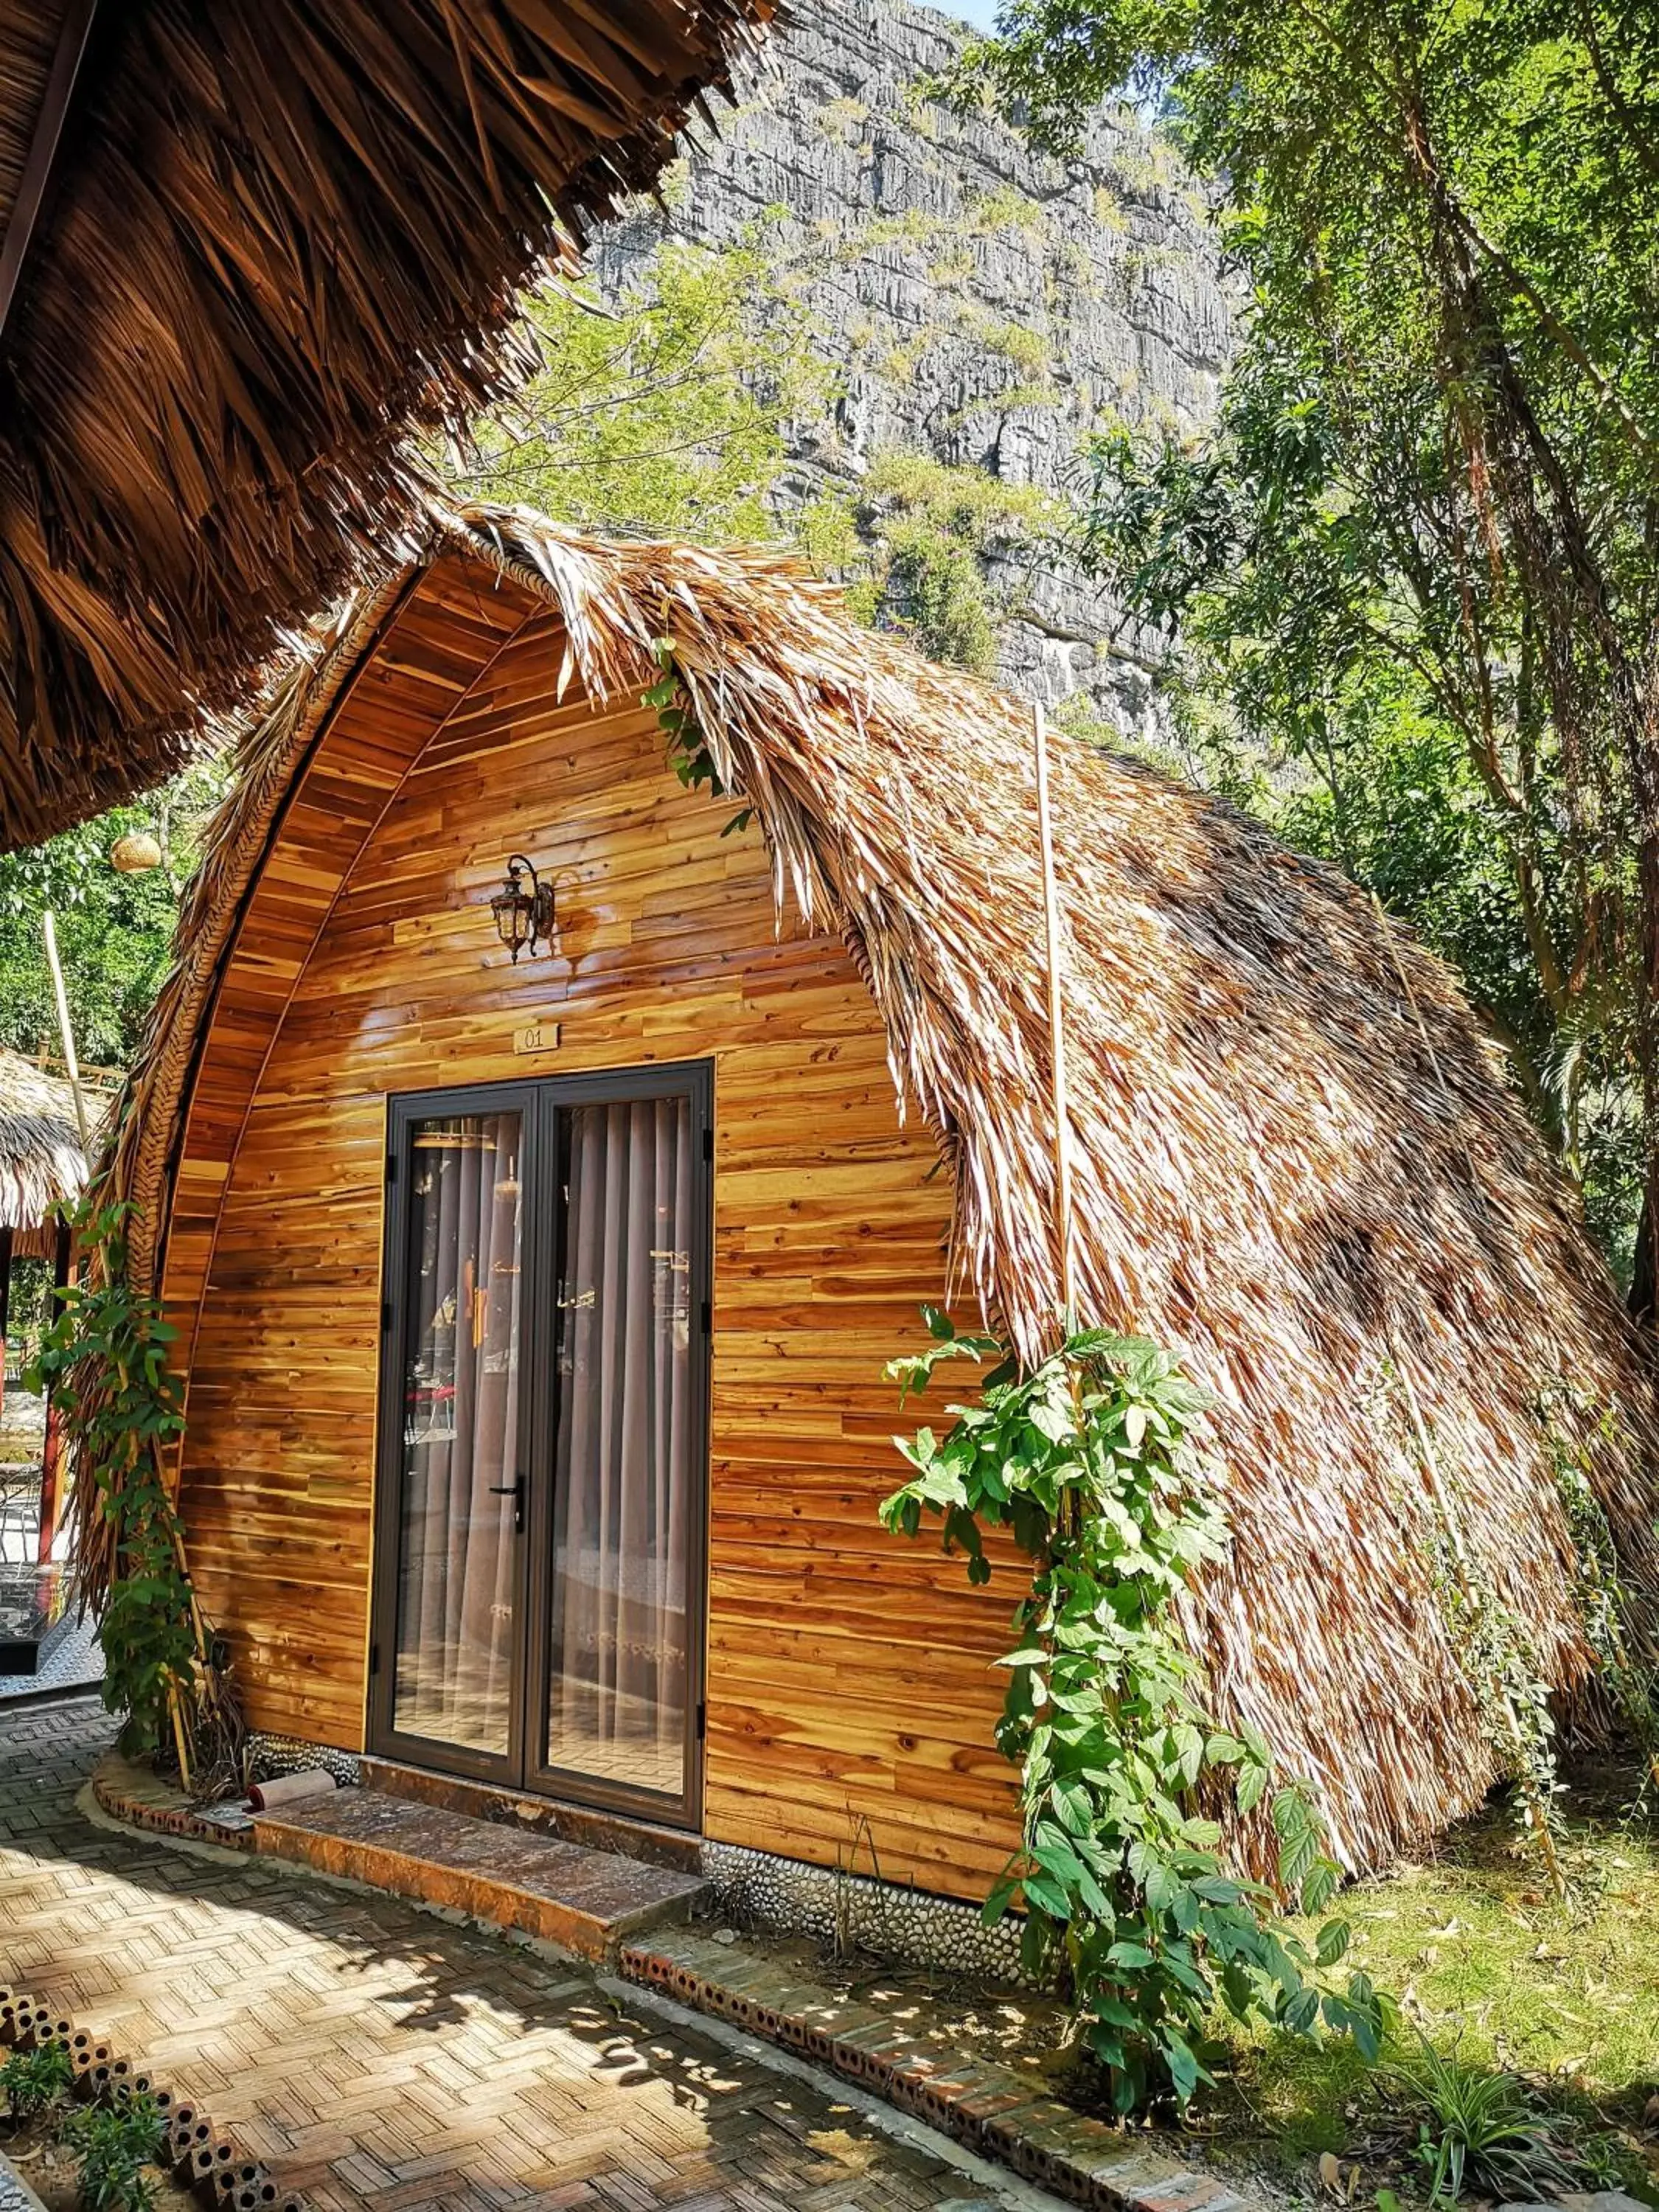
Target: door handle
point(514, 1490)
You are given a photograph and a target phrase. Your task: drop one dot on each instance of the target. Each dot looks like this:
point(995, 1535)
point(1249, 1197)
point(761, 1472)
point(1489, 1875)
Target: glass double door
point(540, 1501)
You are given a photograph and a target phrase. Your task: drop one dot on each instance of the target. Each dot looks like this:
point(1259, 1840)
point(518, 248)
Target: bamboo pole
point(180, 1741)
point(66, 1032)
point(51, 1470)
point(1056, 959)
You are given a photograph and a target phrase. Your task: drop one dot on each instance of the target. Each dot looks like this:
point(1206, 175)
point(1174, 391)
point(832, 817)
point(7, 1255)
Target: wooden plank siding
point(850, 1680)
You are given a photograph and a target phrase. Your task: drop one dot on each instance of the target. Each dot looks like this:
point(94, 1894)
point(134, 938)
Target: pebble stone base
point(271, 1755)
point(756, 1889)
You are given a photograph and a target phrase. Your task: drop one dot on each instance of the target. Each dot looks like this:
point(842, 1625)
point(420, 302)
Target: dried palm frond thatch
point(1297, 1162)
point(42, 1161)
point(281, 235)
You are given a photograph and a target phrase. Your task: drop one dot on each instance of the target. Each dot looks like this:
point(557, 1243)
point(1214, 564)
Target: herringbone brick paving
point(374, 2055)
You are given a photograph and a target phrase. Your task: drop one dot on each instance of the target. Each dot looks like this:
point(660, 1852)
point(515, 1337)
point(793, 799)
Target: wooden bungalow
point(246, 246)
point(533, 1303)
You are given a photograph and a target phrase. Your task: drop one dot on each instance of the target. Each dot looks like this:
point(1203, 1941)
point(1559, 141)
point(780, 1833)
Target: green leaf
point(1302, 2011)
point(1102, 1712)
point(1041, 1890)
point(1252, 1782)
point(1184, 2069)
point(1334, 1938)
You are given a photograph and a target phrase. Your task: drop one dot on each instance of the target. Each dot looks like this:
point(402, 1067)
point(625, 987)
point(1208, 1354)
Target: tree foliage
point(663, 409)
point(1420, 557)
point(1321, 677)
point(914, 544)
point(114, 931)
point(105, 1364)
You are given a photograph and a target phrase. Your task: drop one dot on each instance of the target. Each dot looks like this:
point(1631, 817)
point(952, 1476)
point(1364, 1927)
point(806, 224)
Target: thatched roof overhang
point(255, 245)
point(41, 1160)
point(1298, 1161)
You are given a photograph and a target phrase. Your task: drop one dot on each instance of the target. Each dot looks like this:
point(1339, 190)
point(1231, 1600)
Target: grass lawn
point(1489, 1968)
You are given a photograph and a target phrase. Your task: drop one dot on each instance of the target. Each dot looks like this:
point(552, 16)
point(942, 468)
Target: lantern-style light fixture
point(522, 917)
point(135, 853)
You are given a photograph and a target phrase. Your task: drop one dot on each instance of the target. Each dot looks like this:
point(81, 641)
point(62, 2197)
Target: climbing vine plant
point(1085, 1458)
point(104, 1360)
point(689, 753)
point(1620, 1621)
point(1497, 1649)
point(1495, 1654)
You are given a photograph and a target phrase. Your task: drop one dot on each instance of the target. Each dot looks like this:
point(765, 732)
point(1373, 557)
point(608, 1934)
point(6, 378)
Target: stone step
point(588, 1901)
point(634, 1837)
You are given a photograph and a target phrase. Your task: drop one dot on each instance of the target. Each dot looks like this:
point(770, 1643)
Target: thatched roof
point(275, 235)
point(1298, 1161)
point(42, 1161)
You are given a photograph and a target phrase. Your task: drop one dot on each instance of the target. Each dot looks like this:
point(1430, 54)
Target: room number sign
point(539, 1036)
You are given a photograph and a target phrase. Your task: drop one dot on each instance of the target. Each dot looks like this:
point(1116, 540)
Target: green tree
point(1441, 459)
point(664, 411)
point(1322, 672)
point(114, 931)
point(913, 544)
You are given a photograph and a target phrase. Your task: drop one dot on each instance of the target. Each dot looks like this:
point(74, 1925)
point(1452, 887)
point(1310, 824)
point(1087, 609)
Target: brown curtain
point(623, 1472)
point(461, 1431)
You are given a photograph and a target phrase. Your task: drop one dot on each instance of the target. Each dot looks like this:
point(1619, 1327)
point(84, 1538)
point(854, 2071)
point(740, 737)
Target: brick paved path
point(375, 2054)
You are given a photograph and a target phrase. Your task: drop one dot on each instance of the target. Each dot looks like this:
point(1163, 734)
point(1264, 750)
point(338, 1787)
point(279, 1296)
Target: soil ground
point(35, 2149)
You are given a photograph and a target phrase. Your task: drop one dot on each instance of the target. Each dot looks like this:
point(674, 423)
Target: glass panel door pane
point(623, 1469)
point(453, 1679)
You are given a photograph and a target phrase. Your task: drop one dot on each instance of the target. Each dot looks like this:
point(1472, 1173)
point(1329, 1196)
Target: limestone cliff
point(983, 304)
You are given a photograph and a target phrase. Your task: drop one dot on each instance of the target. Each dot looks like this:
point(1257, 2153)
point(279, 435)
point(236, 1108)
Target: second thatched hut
point(43, 1171)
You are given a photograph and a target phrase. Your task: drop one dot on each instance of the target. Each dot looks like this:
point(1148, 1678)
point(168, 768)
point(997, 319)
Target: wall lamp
point(522, 917)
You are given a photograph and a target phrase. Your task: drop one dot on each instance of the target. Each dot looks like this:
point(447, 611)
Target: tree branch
point(1646, 153)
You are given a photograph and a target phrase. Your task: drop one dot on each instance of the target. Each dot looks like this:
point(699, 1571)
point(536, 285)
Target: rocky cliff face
point(984, 306)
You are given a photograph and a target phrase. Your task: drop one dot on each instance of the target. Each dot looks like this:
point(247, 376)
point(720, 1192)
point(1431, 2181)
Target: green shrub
point(1481, 2133)
point(105, 1362)
point(32, 2080)
point(939, 594)
point(116, 2146)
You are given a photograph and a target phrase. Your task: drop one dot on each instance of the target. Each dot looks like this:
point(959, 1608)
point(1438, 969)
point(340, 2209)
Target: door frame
point(402, 1110)
point(540, 1099)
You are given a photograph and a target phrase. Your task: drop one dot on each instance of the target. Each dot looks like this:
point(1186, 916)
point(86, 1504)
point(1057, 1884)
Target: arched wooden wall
point(850, 1675)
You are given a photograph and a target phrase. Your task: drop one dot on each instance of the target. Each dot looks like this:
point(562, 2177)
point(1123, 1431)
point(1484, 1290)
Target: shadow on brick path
point(373, 2055)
